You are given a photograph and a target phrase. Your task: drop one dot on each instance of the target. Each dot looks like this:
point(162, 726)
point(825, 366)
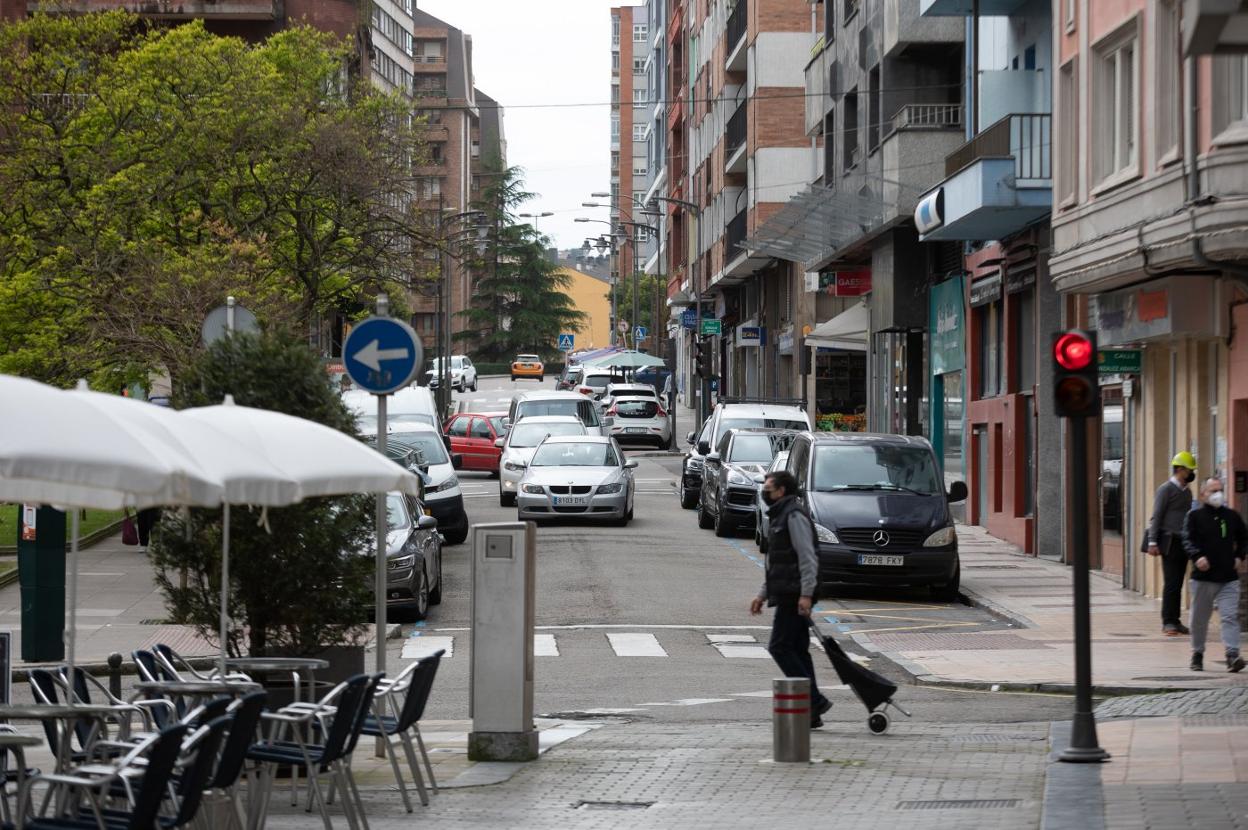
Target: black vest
point(784, 574)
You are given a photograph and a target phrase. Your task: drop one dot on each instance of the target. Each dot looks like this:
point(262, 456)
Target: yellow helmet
point(1183, 459)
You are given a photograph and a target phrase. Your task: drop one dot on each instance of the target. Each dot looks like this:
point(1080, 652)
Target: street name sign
point(381, 355)
point(1119, 361)
point(713, 327)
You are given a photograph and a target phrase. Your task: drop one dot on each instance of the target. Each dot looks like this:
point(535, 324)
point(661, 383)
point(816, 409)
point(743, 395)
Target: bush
point(294, 589)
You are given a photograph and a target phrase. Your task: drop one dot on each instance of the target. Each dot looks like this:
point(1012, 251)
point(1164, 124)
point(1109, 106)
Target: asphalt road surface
point(651, 621)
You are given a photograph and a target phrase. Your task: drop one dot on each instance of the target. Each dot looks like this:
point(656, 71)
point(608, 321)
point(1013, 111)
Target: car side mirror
point(759, 479)
point(426, 523)
point(630, 464)
point(457, 460)
point(712, 458)
point(608, 421)
point(704, 448)
point(498, 442)
point(689, 438)
point(957, 491)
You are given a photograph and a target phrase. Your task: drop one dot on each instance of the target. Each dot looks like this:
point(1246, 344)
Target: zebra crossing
point(731, 645)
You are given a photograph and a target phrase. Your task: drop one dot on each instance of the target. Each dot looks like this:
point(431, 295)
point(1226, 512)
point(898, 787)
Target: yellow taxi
point(528, 366)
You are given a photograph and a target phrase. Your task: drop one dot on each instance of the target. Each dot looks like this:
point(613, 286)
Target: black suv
point(880, 508)
point(729, 472)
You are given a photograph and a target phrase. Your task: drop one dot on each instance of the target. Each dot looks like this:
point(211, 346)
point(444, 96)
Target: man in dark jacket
point(792, 577)
point(1171, 503)
point(1216, 541)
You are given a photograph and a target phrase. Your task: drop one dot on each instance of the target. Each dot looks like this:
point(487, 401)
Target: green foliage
point(148, 174)
point(649, 288)
point(294, 587)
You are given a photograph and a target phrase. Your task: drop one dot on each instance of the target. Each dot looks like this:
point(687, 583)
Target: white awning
point(847, 330)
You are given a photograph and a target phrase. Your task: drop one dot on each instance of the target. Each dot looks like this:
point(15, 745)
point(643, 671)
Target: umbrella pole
point(225, 580)
point(72, 634)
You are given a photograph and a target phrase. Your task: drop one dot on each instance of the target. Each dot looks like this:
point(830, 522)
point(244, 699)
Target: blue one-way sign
point(381, 355)
point(566, 342)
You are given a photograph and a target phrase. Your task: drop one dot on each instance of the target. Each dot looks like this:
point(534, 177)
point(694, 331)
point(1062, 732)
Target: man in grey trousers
point(1170, 505)
point(1216, 541)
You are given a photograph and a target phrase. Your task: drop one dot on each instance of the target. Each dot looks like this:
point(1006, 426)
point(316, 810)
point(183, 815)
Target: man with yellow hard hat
point(1165, 538)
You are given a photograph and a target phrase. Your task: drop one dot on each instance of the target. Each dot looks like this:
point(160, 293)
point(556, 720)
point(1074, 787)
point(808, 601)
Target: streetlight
point(535, 217)
point(447, 235)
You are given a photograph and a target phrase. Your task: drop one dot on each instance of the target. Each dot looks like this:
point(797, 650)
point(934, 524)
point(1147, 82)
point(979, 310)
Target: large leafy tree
point(520, 300)
point(148, 173)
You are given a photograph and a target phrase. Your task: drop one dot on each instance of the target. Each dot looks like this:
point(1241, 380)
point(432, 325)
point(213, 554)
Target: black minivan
point(880, 508)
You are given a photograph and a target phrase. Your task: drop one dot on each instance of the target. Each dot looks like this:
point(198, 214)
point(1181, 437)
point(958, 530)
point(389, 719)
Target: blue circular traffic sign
point(382, 355)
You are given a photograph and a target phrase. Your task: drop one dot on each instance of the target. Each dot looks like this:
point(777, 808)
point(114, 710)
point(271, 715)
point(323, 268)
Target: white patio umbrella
point(64, 449)
point(626, 360)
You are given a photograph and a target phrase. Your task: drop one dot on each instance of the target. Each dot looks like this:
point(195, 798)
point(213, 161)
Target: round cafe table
point(17, 744)
point(297, 667)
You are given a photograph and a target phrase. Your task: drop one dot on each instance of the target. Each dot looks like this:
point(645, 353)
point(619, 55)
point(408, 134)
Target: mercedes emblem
point(880, 538)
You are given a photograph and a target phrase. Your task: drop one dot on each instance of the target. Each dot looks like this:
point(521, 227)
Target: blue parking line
point(736, 544)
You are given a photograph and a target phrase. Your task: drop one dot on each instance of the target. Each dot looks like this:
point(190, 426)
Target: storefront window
point(989, 358)
point(1024, 339)
point(841, 389)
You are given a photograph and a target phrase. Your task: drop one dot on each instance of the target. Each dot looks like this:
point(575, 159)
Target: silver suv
point(734, 413)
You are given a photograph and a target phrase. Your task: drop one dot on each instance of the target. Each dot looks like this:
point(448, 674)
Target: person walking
point(1216, 542)
point(790, 583)
point(1171, 503)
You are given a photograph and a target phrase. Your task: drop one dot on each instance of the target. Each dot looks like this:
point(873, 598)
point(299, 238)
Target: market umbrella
point(66, 449)
point(626, 360)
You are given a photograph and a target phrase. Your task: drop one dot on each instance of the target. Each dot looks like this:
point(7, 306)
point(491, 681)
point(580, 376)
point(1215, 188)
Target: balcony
point(1215, 27)
point(995, 185)
point(903, 27)
point(964, 8)
point(734, 37)
point(734, 142)
point(211, 10)
point(928, 117)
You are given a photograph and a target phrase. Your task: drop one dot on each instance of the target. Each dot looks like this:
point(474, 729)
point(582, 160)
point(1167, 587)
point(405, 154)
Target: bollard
point(114, 674)
point(790, 720)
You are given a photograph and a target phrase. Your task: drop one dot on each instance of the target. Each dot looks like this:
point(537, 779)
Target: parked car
point(406, 456)
point(729, 490)
point(463, 373)
point(528, 366)
point(412, 405)
point(413, 556)
point(519, 444)
point(560, 403)
point(761, 522)
point(577, 476)
point(443, 496)
point(570, 377)
point(628, 390)
point(594, 382)
point(637, 418)
point(880, 509)
point(733, 413)
point(473, 435)
point(655, 376)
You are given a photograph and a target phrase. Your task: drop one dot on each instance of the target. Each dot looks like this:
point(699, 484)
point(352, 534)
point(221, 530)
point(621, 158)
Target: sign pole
point(379, 589)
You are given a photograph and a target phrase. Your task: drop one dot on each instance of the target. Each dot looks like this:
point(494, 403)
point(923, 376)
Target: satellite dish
point(216, 323)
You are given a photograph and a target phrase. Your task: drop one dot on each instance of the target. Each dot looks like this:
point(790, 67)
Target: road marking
point(636, 645)
point(738, 645)
point(691, 701)
point(731, 638)
point(544, 645)
point(421, 646)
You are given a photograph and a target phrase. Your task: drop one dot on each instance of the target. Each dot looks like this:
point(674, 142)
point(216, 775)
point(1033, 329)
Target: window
point(430, 116)
point(1167, 78)
point(437, 152)
point(639, 132)
point(989, 358)
point(615, 61)
point(615, 30)
point(481, 429)
point(476, 148)
point(459, 428)
point(851, 9)
point(1115, 112)
point(1067, 148)
point(429, 188)
point(615, 160)
point(639, 66)
point(851, 129)
point(1230, 92)
point(615, 127)
point(1029, 58)
point(640, 96)
point(873, 109)
point(1024, 338)
point(639, 197)
point(1071, 7)
point(640, 31)
point(640, 167)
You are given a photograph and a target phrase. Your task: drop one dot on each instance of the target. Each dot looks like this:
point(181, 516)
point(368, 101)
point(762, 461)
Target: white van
point(410, 406)
point(561, 403)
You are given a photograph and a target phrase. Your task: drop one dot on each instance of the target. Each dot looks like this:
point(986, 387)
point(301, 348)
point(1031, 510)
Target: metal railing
point(928, 117)
point(738, 21)
point(734, 236)
point(1026, 137)
point(734, 136)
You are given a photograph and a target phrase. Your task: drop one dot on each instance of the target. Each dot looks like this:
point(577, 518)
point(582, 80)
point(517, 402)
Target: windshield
point(758, 423)
point(598, 381)
point(499, 422)
point(563, 406)
point(636, 409)
point(530, 435)
point(575, 455)
point(876, 468)
point(397, 517)
point(428, 443)
point(394, 423)
point(757, 449)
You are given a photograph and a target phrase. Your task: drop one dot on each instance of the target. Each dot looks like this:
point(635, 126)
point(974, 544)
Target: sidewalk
point(1128, 649)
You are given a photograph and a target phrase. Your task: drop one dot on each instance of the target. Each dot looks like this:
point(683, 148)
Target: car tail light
point(613, 411)
point(585, 390)
point(662, 413)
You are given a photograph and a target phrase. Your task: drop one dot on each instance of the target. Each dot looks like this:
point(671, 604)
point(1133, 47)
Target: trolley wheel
point(877, 722)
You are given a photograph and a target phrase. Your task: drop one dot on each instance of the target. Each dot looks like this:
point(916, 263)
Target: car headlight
point(826, 535)
point(738, 477)
point(533, 489)
point(514, 466)
point(402, 562)
point(450, 484)
point(941, 538)
point(607, 489)
point(695, 465)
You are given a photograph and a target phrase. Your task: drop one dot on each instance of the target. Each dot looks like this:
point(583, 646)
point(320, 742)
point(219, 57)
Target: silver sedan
point(577, 477)
point(518, 447)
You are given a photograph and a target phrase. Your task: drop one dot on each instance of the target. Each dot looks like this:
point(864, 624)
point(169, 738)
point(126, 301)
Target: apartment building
point(1150, 245)
point(249, 19)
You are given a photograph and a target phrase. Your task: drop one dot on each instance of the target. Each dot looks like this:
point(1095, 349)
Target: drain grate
point(961, 804)
point(155, 621)
point(612, 805)
point(990, 738)
point(1123, 634)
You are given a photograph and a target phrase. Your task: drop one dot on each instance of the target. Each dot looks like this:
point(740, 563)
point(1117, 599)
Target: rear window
point(636, 409)
point(598, 381)
point(758, 423)
point(635, 391)
point(757, 449)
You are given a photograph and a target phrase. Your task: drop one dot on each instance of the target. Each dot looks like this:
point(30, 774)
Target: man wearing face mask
point(1216, 541)
point(790, 583)
point(1170, 505)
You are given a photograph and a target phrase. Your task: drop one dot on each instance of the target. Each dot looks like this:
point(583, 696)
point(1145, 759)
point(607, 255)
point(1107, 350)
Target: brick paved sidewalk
point(1128, 649)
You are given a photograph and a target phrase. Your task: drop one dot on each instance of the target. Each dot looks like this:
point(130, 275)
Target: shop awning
point(847, 330)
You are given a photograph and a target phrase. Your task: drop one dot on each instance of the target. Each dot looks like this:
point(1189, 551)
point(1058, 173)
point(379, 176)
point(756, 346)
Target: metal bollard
point(790, 720)
point(114, 674)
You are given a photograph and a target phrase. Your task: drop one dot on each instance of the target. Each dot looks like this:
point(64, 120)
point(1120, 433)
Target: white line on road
point(691, 701)
point(417, 647)
point(544, 645)
point(596, 626)
point(636, 645)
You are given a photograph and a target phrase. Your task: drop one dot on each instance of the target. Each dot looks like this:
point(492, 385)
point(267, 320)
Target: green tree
point(649, 287)
point(295, 586)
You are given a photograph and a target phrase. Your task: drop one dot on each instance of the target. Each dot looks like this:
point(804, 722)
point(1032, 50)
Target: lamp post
point(447, 234)
point(535, 217)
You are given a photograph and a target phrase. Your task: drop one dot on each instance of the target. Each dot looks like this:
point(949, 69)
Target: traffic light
point(1076, 391)
point(702, 358)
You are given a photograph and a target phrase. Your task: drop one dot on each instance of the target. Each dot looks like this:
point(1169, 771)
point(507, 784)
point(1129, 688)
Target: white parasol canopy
point(626, 360)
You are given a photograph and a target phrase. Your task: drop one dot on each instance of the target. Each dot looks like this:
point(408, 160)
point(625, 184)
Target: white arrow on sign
point(371, 355)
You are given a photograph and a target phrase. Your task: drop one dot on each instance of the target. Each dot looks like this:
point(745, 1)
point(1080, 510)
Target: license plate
point(571, 501)
point(876, 559)
point(635, 429)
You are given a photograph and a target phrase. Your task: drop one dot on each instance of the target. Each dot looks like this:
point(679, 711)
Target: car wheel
point(456, 536)
point(506, 499)
point(704, 518)
point(723, 526)
point(420, 597)
point(949, 591)
point(435, 596)
point(629, 514)
point(474, 384)
point(688, 500)
point(541, 379)
point(513, 378)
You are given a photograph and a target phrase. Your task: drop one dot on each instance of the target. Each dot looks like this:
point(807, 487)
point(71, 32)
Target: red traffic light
point(1073, 351)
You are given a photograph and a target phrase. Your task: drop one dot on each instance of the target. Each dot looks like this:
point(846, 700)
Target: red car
point(473, 434)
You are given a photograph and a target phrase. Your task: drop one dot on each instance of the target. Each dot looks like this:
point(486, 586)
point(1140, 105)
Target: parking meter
point(41, 574)
point(501, 679)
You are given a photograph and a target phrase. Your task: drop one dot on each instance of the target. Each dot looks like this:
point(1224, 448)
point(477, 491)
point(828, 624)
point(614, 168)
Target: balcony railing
point(734, 236)
point(1026, 137)
point(738, 21)
point(734, 137)
point(928, 117)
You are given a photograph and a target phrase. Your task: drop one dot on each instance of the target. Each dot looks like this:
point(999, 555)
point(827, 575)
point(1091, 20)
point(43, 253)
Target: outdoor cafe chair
point(176, 666)
point(12, 776)
point(246, 712)
point(407, 696)
point(151, 712)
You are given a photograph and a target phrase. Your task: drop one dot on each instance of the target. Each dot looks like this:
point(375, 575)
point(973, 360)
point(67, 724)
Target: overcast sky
point(528, 55)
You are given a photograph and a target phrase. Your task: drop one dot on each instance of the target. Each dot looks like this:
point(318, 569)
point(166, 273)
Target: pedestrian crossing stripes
point(731, 645)
point(417, 647)
point(636, 645)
